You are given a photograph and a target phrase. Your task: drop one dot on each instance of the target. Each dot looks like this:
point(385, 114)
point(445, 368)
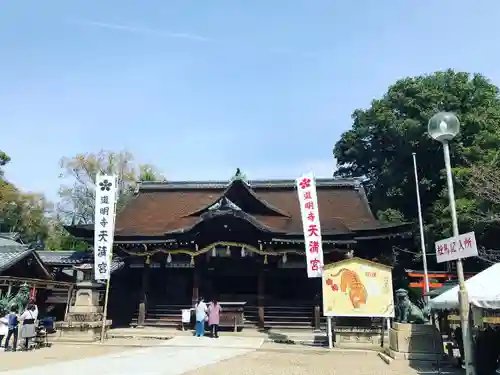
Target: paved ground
point(183, 355)
point(21, 360)
point(173, 357)
point(311, 363)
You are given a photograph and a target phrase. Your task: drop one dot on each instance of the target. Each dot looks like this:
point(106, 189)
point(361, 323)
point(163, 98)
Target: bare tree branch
point(489, 255)
point(79, 172)
point(484, 182)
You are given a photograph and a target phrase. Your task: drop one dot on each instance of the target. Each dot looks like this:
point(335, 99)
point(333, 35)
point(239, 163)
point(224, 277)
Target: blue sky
point(201, 87)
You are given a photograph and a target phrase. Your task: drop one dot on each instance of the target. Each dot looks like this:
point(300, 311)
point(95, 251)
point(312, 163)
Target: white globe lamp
point(443, 126)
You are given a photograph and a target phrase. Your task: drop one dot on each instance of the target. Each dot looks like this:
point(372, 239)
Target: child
point(13, 323)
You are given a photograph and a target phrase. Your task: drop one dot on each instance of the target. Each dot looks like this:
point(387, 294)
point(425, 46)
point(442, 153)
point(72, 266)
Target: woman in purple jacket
point(214, 318)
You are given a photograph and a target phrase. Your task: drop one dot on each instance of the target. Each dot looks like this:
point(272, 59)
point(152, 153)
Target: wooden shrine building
point(237, 241)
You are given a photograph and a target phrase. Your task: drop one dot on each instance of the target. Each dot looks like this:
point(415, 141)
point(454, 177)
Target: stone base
point(368, 337)
point(428, 357)
point(80, 331)
point(420, 342)
point(80, 310)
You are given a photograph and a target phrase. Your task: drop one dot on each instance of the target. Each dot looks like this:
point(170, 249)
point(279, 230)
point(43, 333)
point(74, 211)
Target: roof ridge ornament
point(224, 204)
point(239, 176)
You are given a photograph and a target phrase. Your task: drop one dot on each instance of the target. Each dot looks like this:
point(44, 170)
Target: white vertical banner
point(308, 200)
point(104, 224)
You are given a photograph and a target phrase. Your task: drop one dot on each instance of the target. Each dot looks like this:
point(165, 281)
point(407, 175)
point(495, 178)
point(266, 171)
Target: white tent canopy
point(483, 290)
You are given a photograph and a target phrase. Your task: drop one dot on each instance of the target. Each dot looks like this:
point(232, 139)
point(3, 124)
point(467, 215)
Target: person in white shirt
point(28, 318)
point(4, 327)
point(201, 316)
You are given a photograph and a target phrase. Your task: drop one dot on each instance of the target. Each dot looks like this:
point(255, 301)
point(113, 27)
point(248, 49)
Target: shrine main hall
point(239, 241)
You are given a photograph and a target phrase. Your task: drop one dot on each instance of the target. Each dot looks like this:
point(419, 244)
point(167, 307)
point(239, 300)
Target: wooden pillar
point(143, 298)
point(260, 295)
point(196, 284)
point(317, 307)
point(317, 318)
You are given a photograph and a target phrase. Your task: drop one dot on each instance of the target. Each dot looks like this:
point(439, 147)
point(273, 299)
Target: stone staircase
point(162, 315)
point(282, 317)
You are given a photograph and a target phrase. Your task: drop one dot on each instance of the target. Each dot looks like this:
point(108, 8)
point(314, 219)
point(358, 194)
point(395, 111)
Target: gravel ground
point(309, 363)
point(57, 353)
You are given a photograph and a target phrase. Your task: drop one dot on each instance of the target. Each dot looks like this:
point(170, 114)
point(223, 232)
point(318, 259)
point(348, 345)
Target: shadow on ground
point(315, 339)
point(277, 337)
point(437, 367)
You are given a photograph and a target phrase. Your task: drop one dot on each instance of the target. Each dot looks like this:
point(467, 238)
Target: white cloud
point(141, 30)
point(193, 37)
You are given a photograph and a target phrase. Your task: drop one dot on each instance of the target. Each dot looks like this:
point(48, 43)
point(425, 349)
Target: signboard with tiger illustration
point(357, 287)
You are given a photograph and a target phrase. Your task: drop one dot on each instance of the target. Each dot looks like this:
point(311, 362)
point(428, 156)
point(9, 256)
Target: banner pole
point(105, 312)
point(108, 280)
point(330, 333)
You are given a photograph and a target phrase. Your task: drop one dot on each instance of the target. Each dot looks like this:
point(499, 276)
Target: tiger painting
point(357, 291)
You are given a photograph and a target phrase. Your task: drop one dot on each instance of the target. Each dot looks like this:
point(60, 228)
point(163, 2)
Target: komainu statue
point(407, 312)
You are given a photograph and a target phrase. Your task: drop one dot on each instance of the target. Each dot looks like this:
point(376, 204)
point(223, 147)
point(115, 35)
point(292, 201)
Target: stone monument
point(83, 321)
point(411, 336)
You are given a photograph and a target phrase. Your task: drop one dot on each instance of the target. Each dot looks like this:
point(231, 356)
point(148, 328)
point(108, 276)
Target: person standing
point(201, 316)
point(214, 311)
point(28, 329)
point(4, 327)
point(13, 324)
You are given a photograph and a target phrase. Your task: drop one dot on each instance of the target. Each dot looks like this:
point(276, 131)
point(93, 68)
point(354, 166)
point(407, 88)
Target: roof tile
point(9, 258)
point(64, 257)
point(160, 208)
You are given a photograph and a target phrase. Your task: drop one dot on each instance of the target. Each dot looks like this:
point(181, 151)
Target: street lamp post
point(443, 127)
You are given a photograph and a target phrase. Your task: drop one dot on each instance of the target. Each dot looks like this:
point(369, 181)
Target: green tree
point(59, 239)
point(77, 192)
point(4, 159)
point(32, 216)
point(380, 144)
point(21, 212)
point(29, 216)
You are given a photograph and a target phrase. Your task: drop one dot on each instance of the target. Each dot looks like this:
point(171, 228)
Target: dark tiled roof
point(73, 258)
point(64, 257)
point(9, 245)
point(10, 258)
point(162, 207)
point(14, 236)
point(254, 184)
point(11, 251)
